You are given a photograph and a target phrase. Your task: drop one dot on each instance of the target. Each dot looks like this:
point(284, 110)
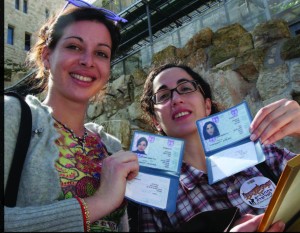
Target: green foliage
point(282, 6)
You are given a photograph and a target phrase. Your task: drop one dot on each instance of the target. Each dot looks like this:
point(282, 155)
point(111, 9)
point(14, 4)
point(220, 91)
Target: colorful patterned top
point(195, 195)
point(80, 172)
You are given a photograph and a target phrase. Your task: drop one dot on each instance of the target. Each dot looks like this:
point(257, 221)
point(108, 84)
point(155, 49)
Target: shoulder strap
point(266, 171)
point(21, 148)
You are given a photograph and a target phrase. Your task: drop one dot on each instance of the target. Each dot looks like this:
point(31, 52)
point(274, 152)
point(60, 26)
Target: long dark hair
point(216, 130)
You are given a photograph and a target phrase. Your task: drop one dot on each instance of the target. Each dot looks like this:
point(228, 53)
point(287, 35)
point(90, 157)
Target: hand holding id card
point(226, 142)
point(160, 160)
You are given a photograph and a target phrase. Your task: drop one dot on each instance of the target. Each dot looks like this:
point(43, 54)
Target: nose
point(175, 97)
point(86, 59)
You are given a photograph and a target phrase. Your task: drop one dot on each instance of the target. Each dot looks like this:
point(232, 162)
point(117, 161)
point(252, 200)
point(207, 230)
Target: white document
point(233, 160)
point(149, 189)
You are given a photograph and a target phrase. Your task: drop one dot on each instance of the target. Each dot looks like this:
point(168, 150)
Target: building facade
point(22, 19)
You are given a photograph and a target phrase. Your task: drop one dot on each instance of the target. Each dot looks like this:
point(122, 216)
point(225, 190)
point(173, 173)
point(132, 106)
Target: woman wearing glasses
point(69, 182)
point(174, 98)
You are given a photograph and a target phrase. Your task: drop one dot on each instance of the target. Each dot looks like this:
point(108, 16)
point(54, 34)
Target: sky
point(90, 1)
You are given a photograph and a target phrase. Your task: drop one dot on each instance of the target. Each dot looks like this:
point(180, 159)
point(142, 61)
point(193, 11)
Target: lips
point(82, 78)
point(177, 114)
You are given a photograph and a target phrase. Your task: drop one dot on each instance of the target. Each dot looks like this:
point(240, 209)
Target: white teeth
point(82, 78)
point(181, 114)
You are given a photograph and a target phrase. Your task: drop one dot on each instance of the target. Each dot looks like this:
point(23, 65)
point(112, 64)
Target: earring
point(46, 72)
point(159, 129)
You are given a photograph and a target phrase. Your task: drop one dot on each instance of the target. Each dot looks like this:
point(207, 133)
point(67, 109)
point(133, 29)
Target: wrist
point(98, 207)
point(85, 214)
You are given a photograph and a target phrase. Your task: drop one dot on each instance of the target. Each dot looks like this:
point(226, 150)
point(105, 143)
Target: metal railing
point(248, 13)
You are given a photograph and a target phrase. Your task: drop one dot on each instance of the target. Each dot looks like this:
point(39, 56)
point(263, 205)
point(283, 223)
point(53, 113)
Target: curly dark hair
point(147, 104)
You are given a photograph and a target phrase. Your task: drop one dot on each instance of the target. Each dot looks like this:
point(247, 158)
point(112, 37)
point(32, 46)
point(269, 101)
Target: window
point(10, 35)
point(25, 5)
point(47, 13)
point(17, 4)
point(295, 28)
point(27, 41)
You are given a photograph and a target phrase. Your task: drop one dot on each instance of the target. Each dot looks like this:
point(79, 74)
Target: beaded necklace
point(81, 140)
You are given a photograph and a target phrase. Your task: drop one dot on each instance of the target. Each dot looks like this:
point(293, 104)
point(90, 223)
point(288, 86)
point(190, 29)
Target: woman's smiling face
point(177, 116)
point(79, 65)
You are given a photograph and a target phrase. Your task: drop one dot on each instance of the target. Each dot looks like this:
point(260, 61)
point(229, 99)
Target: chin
point(182, 133)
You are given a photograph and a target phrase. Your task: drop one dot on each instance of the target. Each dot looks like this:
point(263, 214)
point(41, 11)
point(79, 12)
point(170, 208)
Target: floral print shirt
point(80, 172)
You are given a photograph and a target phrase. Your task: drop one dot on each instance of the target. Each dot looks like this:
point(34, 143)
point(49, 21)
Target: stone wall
point(260, 67)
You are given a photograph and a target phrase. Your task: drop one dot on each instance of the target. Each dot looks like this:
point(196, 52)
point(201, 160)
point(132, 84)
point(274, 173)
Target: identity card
point(226, 142)
point(160, 160)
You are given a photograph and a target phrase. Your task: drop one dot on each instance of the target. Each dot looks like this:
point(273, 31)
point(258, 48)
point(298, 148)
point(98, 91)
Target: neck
point(68, 113)
point(194, 153)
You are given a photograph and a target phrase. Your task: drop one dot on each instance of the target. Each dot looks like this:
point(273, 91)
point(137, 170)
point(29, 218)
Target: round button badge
point(257, 191)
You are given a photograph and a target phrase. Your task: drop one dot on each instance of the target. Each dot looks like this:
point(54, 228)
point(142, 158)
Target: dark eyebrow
point(81, 40)
point(163, 87)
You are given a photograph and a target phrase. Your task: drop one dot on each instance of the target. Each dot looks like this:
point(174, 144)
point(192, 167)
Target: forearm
point(63, 215)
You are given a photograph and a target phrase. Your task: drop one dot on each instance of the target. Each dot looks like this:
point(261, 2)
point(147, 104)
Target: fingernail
point(281, 225)
point(250, 129)
point(252, 137)
point(266, 142)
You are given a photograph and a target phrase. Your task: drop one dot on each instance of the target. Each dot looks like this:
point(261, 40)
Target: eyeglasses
point(183, 88)
point(108, 14)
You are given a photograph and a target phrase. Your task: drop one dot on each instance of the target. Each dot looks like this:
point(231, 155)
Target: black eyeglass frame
point(194, 82)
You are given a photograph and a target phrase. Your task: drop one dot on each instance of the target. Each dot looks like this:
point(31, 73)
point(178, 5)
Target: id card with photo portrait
point(225, 137)
point(160, 159)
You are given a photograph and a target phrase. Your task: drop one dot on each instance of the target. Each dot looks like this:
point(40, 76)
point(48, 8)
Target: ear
point(46, 57)
point(157, 125)
point(207, 106)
